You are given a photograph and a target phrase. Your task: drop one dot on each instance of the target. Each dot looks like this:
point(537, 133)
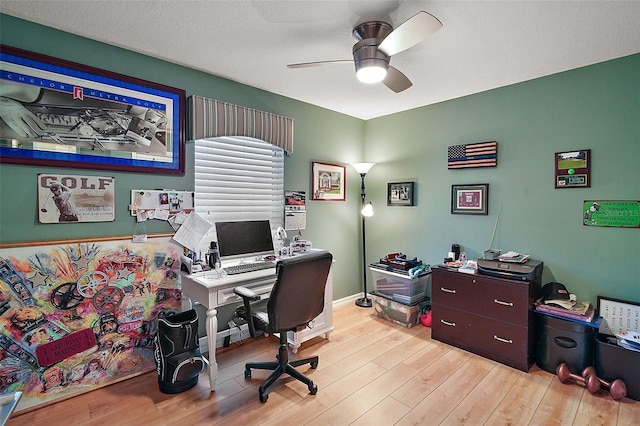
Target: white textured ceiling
point(482, 45)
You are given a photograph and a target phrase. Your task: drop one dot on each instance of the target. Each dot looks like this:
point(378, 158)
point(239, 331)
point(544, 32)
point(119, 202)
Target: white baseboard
point(348, 299)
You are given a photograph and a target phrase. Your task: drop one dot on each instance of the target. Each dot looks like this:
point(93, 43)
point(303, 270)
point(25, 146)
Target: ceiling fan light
point(371, 74)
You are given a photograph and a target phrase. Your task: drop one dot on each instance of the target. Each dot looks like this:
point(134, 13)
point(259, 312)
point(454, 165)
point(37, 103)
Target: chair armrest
point(247, 296)
point(246, 293)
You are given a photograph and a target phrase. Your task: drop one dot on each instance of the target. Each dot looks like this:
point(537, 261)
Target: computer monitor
point(241, 239)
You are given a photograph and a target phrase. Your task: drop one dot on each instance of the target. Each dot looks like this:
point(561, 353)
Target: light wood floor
point(372, 372)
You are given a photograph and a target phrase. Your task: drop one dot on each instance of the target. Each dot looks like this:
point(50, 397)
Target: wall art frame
point(400, 194)
point(470, 199)
point(76, 198)
point(95, 305)
point(64, 114)
point(573, 169)
point(328, 182)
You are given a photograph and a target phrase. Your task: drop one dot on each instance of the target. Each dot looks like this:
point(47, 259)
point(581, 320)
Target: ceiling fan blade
point(313, 64)
point(396, 80)
point(409, 33)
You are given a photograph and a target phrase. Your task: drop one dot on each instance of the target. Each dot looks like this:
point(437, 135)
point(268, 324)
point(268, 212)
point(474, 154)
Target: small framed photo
point(328, 182)
point(400, 194)
point(470, 199)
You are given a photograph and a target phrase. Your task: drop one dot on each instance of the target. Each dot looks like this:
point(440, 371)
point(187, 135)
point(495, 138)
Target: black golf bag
point(176, 352)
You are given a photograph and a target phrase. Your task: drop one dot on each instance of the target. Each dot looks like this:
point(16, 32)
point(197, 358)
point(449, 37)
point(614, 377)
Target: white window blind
point(238, 178)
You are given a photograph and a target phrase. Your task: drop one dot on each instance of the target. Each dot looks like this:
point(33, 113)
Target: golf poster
point(73, 199)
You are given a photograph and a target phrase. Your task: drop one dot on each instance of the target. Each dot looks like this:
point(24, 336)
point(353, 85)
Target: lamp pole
point(362, 169)
point(363, 302)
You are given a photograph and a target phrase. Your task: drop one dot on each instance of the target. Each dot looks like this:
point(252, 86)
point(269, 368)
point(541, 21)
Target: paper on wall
point(192, 231)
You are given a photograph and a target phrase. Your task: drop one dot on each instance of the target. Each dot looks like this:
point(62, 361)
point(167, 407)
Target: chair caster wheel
point(247, 374)
point(314, 364)
point(313, 389)
point(263, 397)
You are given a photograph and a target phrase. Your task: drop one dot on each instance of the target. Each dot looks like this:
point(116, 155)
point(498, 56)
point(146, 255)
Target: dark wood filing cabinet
point(489, 316)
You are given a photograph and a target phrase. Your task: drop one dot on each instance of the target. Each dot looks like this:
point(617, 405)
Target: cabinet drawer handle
point(500, 339)
point(446, 290)
point(500, 302)
point(451, 324)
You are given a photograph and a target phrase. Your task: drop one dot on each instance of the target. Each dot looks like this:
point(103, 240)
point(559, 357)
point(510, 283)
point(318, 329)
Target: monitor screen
point(244, 239)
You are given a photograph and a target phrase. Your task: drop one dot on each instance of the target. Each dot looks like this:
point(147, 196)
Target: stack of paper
point(513, 257)
point(573, 309)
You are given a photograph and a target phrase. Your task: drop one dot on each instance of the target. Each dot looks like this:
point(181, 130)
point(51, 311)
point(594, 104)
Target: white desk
point(212, 292)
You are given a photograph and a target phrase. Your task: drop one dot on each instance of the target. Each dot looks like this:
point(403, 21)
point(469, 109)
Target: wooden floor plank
point(559, 404)
point(523, 399)
point(597, 409)
point(327, 397)
point(484, 397)
point(437, 405)
point(357, 404)
point(387, 412)
point(430, 378)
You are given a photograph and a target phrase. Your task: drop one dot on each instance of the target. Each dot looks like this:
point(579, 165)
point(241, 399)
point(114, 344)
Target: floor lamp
point(366, 211)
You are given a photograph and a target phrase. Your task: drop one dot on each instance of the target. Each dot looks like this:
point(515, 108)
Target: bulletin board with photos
point(163, 201)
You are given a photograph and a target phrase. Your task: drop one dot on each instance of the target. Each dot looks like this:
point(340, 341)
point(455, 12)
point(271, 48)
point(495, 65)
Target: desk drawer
point(228, 296)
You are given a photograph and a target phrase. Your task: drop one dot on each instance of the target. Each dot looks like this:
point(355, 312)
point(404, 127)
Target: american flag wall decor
point(484, 154)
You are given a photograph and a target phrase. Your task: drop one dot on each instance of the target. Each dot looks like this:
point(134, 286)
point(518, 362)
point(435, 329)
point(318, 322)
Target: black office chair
point(297, 298)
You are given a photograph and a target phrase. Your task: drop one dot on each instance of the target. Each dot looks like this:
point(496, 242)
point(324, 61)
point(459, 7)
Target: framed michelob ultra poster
point(60, 113)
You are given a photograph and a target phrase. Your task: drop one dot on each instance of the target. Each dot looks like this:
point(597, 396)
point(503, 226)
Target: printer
point(528, 271)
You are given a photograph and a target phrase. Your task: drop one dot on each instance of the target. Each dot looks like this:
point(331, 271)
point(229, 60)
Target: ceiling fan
point(377, 41)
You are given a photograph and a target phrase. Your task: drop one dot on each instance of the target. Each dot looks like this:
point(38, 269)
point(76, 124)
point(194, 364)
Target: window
point(238, 178)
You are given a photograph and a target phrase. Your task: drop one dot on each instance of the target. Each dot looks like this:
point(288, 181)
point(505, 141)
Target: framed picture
point(573, 169)
point(470, 199)
point(64, 114)
point(400, 194)
point(328, 182)
point(74, 198)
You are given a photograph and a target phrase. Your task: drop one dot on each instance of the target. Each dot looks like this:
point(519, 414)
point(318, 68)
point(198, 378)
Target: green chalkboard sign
point(615, 214)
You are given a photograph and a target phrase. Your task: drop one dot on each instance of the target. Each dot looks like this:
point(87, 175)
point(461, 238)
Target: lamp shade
point(367, 210)
point(363, 168)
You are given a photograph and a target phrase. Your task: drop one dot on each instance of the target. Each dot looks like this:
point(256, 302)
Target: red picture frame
point(328, 182)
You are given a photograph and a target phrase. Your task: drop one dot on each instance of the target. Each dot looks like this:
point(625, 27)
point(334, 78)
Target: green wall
point(596, 107)
point(319, 135)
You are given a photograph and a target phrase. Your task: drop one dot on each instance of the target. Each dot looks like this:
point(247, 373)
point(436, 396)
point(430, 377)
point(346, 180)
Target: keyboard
point(248, 267)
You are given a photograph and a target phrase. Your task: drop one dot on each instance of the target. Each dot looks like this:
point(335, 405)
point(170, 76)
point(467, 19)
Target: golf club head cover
point(176, 352)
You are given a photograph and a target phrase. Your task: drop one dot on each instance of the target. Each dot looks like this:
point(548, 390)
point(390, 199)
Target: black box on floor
point(559, 340)
point(614, 362)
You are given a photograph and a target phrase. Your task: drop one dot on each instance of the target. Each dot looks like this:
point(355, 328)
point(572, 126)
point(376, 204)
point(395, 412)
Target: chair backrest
point(297, 296)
